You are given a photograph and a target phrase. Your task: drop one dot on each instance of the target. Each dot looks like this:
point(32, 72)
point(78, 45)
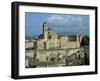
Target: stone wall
point(53, 44)
point(29, 44)
point(61, 43)
point(40, 44)
point(43, 54)
point(65, 44)
point(73, 45)
point(58, 43)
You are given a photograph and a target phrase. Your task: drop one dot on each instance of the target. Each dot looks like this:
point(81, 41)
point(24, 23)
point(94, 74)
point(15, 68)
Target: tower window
point(45, 29)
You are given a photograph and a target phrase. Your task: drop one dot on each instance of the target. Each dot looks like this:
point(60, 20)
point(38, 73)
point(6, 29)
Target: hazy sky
point(60, 23)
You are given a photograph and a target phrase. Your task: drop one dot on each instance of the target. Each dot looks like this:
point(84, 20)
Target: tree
point(85, 40)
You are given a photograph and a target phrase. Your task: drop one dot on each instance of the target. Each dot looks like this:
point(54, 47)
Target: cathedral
point(49, 39)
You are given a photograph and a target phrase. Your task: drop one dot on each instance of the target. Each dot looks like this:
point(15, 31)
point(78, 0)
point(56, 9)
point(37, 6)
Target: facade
point(49, 39)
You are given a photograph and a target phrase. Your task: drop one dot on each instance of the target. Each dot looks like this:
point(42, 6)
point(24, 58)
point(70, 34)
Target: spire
point(45, 23)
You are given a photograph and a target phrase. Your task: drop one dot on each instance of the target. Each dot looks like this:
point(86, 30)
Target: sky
point(60, 23)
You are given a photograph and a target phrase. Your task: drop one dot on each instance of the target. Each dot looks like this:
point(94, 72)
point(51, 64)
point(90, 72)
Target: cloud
point(69, 23)
point(66, 20)
point(58, 19)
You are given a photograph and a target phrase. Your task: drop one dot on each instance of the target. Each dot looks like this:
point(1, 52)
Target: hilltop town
point(52, 50)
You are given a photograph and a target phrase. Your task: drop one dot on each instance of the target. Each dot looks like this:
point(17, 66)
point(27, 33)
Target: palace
point(49, 39)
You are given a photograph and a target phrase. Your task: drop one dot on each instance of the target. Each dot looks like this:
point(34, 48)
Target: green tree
point(85, 40)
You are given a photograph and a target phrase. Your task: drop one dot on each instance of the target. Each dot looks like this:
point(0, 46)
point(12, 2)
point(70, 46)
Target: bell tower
point(45, 30)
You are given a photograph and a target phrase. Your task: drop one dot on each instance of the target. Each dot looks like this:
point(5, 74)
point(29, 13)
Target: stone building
point(49, 39)
point(29, 43)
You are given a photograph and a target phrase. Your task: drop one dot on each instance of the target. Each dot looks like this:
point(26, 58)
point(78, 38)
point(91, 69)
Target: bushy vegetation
point(85, 41)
